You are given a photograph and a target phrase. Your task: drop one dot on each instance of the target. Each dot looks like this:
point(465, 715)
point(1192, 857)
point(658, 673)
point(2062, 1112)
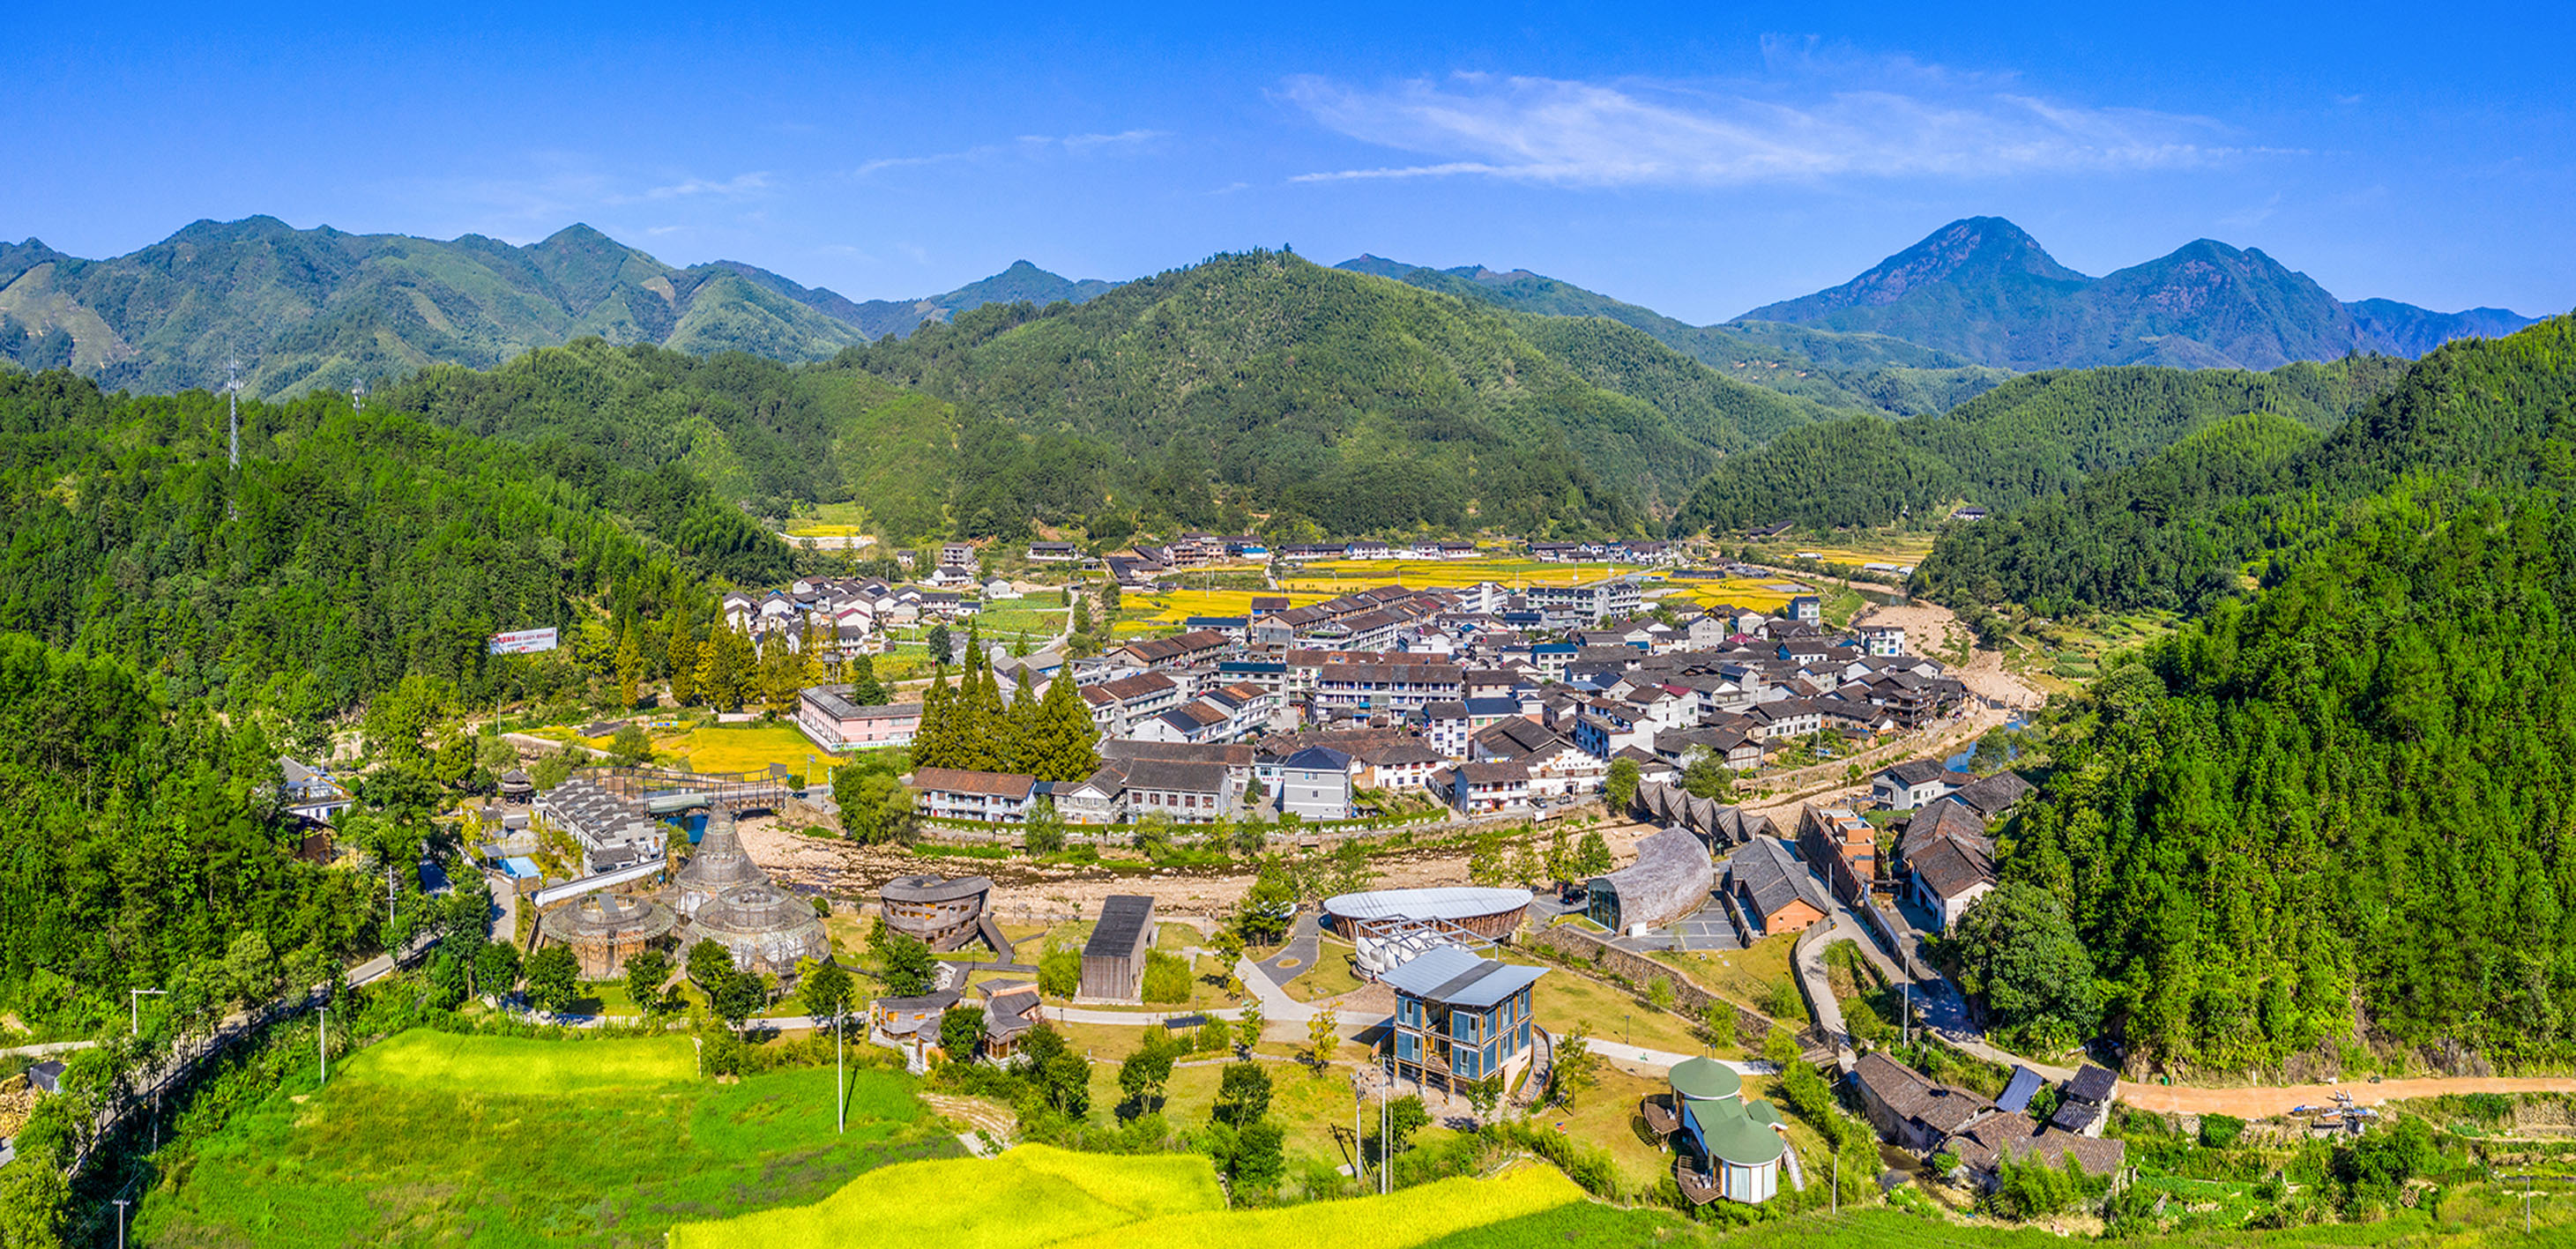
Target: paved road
point(44, 1048)
point(1305, 944)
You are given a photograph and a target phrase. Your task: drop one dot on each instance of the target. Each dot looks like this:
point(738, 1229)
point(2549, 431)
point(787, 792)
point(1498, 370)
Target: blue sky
point(1699, 159)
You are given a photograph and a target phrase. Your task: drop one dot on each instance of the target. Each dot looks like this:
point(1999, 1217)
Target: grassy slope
point(432, 1139)
point(1031, 1195)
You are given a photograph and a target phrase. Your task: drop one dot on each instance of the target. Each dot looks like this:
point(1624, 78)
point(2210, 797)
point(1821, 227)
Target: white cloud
point(1823, 119)
point(732, 188)
point(1025, 147)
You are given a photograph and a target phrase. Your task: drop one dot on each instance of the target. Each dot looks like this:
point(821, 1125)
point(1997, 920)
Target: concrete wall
point(1689, 999)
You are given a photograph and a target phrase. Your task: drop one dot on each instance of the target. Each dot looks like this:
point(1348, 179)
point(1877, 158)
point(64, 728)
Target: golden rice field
point(1342, 576)
point(1741, 591)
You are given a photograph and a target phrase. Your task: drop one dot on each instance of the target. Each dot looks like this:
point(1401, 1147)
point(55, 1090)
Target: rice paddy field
point(741, 747)
point(1341, 576)
point(429, 1138)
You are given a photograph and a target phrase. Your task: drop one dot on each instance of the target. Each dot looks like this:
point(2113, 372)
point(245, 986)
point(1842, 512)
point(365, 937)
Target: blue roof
point(2016, 1095)
point(1493, 706)
point(1553, 648)
point(1218, 622)
point(1246, 665)
point(1453, 976)
point(1318, 759)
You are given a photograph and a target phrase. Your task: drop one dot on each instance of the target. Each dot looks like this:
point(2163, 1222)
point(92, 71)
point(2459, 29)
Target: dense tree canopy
point(2350, 791)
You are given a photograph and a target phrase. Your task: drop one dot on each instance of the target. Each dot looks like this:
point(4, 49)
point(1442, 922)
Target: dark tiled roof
point(2093, 1084)
point(1125, 925)
point(961, 781)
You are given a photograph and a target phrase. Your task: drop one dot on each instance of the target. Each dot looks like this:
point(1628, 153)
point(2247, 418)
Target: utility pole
point(840, 1098)
point(324, 1039)
point(121, 1204)
point(134, 1007)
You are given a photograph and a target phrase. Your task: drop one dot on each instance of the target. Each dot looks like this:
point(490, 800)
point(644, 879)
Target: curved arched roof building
point(1671, 878)
point(1483, 911)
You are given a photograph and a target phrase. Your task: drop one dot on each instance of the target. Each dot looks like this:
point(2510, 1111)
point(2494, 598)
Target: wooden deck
point(1663, 1121)
point(1700, 1189)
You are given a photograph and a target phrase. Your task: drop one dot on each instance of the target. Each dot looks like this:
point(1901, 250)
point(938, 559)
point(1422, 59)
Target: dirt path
point(2266, 1101)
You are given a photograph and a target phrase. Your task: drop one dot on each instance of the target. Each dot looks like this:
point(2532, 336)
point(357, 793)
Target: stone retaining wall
point(1690, 1000)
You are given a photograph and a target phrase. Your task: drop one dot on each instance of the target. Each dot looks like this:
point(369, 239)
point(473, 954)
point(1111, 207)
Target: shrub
point(2220, 1131)
point(1060, 971)
point(1167, 977)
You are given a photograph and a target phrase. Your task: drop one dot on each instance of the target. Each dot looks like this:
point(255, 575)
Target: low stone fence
point(1690, 999)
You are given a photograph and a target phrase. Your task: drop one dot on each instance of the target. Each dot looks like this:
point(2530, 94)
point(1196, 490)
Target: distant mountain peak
point(1985, 289)
point(1980, 246)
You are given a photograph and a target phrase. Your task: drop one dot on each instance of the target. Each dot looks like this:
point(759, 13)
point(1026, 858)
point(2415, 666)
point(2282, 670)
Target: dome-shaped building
point(717, 866)
point(603, 930)
point(766, 928)
point(1737, 1143)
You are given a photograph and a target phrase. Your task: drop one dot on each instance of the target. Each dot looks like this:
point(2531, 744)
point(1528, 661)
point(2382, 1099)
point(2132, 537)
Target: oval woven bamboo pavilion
point(603, 930)
point(764, 927)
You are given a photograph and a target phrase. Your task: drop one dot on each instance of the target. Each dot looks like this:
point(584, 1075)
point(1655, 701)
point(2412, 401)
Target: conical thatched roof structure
point(719, 864)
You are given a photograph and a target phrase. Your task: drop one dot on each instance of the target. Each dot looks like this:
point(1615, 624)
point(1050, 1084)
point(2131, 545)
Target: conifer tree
point(1019, 745)
point(931, 743)
point(865, 690)
point(681, 654)
point(630, 667)
point(715, 669)
point(991, 719)
point(1062, 736)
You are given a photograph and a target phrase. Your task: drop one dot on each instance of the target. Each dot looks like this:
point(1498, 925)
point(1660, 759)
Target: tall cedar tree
point(1062, 746)
point(931, 746)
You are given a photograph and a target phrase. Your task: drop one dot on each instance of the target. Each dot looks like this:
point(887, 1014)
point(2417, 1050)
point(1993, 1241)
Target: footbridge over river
point(670, 791)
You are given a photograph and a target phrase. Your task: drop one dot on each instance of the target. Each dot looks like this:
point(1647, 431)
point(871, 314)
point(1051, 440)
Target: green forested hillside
point(1834, 370)
point(2171, 534)
point(139, 845)
point(761, 433)
point(1265, 381)
point(1630, 362)
point(350, 551)
point(2034, 437)
point(2349, 796)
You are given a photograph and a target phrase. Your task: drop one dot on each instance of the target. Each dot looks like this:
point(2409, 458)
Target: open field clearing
point(1032, 1195)
point(1410, 1217)
point(508, 1067)
point(1757, 594)
point(436, 1139)
point(741, 747)
point(1341, 576)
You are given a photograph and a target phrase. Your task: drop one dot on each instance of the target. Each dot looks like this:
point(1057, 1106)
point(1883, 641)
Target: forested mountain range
point(2173, 534)
point(2037, 436)
point(1856, 371)
point(1984, 290)
point(1260, 381)
point(307, 309)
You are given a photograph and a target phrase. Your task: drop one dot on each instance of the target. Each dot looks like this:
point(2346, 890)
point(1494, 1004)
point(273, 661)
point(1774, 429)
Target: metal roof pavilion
point(1454, 902)
point(1454, 977)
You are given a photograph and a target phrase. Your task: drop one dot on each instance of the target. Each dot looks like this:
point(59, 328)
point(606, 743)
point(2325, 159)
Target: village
point(1390, 730)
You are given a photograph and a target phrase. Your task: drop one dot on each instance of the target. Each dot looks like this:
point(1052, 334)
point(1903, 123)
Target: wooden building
point(1113, 961)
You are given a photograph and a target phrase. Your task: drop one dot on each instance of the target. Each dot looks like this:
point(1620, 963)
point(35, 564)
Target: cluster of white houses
point(1469, 696)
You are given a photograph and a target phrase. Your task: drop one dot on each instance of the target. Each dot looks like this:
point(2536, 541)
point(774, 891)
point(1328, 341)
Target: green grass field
point(440, 1139)
point(504, 1066)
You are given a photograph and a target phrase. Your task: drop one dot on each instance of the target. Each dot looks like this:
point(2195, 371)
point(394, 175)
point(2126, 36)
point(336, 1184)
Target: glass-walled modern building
point(1460, 1018)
